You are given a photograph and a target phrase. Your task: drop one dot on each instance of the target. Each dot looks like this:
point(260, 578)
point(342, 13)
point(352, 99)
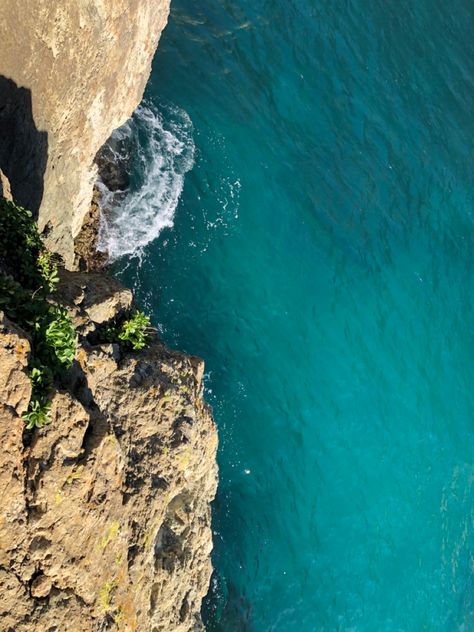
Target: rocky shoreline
point(105, 520)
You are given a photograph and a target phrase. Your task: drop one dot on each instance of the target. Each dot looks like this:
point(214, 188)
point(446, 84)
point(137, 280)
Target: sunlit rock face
point(105, 520)
point(70, 73)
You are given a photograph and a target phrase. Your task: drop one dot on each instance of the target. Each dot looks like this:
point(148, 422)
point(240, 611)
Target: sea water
point(300, 214)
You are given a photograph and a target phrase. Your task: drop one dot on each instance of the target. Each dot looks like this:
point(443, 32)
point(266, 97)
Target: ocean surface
point(300, 214)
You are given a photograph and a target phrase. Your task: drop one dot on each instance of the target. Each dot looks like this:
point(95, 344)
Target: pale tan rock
point(72, 73)
point(105, 512)
point(98, 297)
point(41, 586)
point(14, 604)
point(13, 509)
point(15, 387)
point(5, 189)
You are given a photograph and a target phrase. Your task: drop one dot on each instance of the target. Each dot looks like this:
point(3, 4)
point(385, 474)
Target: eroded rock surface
point(104, 513)
point(70, 73)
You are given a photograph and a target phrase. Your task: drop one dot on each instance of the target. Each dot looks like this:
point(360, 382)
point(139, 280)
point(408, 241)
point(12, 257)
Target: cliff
point(70, 73)
point(105, 510)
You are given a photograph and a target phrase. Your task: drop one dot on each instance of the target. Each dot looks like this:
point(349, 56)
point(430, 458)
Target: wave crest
point(155, 148)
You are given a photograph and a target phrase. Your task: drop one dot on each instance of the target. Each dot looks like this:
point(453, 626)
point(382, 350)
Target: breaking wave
point(141, 177)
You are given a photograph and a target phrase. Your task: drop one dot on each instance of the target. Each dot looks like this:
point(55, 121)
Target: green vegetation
point(28, 275)
point(48, 268)
point(20, 244)
point(38, 413)
point(28, 279)
point(57, 339)
point(132, 333)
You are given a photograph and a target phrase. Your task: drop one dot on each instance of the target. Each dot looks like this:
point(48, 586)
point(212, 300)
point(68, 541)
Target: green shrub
point(12, 296)
point(41, 376)
point(21, 305)
point(57, 337)
point(131, 333)
point(20, 243)
point(54, 345)
point(52, 331)
point(28, 273)
point(48, 269)
point(22, 252)
point(38, 414)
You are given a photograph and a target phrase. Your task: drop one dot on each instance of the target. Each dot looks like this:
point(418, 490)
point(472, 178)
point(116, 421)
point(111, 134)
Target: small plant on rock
point(58, 337)
point(20, 243)
point(22, 252)
point(38, 413)
point(133, 331)
point(41, 377)
point(28, 275)
point(48, 269)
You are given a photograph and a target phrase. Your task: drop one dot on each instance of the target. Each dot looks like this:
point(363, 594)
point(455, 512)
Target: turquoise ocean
point(300, 214)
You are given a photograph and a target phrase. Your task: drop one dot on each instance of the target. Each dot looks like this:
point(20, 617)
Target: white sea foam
point(157, 150)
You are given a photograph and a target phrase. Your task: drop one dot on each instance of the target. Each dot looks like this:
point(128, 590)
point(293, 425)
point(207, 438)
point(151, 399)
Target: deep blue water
point(320, 260)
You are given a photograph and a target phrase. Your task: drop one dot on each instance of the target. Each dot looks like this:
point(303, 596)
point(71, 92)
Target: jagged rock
point(15, 387)
point(105, 512)
point(87, 255)
point(98, 297)
point(41, 586)
point(5, 189)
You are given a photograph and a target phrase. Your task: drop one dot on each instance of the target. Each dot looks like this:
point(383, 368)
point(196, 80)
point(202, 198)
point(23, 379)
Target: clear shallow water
point(320, 260)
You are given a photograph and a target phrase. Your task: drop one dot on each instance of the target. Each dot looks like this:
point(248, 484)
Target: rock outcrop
point(104, 513)
point(70, 73)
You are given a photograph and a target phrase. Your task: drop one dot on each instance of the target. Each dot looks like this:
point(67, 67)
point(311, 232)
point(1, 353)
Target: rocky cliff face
point(104, 513)
point(70, 73)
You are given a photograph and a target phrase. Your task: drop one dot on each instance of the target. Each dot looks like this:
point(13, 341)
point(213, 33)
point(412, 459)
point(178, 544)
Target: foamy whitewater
point(157, 149)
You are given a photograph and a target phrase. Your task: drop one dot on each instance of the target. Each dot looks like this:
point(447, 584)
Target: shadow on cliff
point(23, 148)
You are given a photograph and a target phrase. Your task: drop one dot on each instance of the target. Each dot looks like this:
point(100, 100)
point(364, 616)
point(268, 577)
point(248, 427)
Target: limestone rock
point(105, 512)
point(15, 387)
point(70, 73)
point(98, 297)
